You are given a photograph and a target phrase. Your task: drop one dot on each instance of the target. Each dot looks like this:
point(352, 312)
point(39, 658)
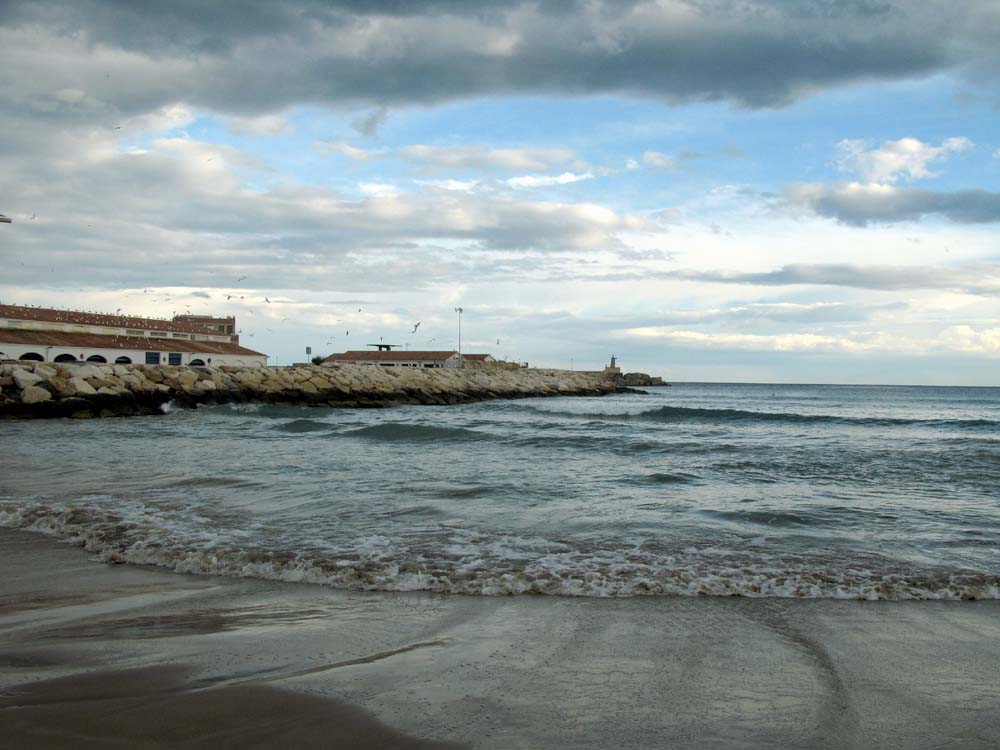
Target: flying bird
point(416, 327)
point(241, 278)
point(228, 297)
point(267, 300)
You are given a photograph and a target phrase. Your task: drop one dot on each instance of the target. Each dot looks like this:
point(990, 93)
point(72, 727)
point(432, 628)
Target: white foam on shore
point(497, 567)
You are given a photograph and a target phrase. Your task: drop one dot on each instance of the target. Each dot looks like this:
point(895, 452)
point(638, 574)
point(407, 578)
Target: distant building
point(222, 325)
point(396, 359)
point(49, 335)
point(479, 359)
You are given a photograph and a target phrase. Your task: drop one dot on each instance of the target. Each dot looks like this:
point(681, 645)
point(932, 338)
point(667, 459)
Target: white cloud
point(959, 339)
point(907, 157)
point(378, 189)
point(996, 154)
point(656, 159)
point(530, 181)
point(967, 339)
point(261, 125)
point(784, 342)
point(358, 154)
point(480, 157)
point(464, 186)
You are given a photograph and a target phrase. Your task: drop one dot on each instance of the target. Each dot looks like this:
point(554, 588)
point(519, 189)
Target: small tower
point(613, 371)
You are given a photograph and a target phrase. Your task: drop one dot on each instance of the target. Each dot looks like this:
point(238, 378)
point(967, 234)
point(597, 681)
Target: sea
point(700, 489)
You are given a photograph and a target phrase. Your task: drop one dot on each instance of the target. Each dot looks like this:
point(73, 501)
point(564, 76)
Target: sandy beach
point(94, 655)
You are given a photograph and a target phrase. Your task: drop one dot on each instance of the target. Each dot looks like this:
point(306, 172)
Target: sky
point(712, 190)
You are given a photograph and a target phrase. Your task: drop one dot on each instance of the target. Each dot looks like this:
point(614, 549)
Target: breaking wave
point(416, 433)
point(485, 565)
point(665, 414)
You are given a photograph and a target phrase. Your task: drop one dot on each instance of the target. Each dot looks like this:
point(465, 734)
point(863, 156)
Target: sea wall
point(38, 390)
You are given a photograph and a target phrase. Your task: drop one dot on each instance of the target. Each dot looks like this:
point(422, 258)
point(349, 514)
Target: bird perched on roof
point(416, 327)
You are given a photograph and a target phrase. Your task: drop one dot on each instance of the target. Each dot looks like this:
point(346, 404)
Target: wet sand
point(93, 655)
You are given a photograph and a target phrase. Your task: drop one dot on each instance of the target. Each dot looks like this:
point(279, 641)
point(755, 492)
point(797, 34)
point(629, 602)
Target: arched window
point(65, 358)
point(96, 358)
point(197, 363)
point(123, 361)
point(32, 357)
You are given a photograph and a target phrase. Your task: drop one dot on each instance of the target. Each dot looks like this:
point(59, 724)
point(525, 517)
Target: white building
point(396, 359)
point(48, 335)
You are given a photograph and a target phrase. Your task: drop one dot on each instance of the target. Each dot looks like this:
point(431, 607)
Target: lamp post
point(459, 310)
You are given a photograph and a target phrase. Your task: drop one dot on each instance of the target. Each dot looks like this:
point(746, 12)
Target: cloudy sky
point(784, 191)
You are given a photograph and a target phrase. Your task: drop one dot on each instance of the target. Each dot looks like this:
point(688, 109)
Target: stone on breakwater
point(104, 390)
point(25, 379)
point(33, 394)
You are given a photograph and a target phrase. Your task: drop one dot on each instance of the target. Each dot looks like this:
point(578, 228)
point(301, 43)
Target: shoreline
point(90, 651)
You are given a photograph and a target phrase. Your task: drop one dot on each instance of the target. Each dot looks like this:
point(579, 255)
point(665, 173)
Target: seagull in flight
point(241, 278)
point(267, 300)
point(416, 327)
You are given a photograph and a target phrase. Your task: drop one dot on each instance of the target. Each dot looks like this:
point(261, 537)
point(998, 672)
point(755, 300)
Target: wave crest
point(548, 568)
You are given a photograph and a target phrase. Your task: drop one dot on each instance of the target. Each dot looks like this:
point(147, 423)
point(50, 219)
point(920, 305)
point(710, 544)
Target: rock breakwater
point(41, 389)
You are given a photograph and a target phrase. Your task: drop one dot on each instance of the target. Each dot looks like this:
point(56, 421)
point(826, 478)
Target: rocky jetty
point(39, 390)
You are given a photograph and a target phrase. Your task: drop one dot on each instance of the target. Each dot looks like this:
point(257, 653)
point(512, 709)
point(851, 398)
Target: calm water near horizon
point(758, 490)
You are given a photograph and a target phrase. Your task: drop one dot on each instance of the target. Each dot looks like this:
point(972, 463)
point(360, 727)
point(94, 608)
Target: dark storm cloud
point(860, 205)
point(254, 57)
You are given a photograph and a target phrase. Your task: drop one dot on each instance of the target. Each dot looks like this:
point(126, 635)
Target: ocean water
point(699, 489)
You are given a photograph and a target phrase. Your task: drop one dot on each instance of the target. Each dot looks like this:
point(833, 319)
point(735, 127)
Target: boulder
point(33, 394)
point(25, 379)
point(62, 386)
point(43, 370)
point(81, 386)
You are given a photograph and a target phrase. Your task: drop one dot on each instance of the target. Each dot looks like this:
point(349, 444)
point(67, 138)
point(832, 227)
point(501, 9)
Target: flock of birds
point(231, 296)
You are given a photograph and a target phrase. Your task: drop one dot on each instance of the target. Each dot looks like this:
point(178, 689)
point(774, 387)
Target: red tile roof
point(476, 357)
point(397, 356)
point(137, 343)
point(48, 315)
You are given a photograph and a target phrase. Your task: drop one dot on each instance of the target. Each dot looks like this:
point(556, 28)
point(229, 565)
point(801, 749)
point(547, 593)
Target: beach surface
point(95, 655)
